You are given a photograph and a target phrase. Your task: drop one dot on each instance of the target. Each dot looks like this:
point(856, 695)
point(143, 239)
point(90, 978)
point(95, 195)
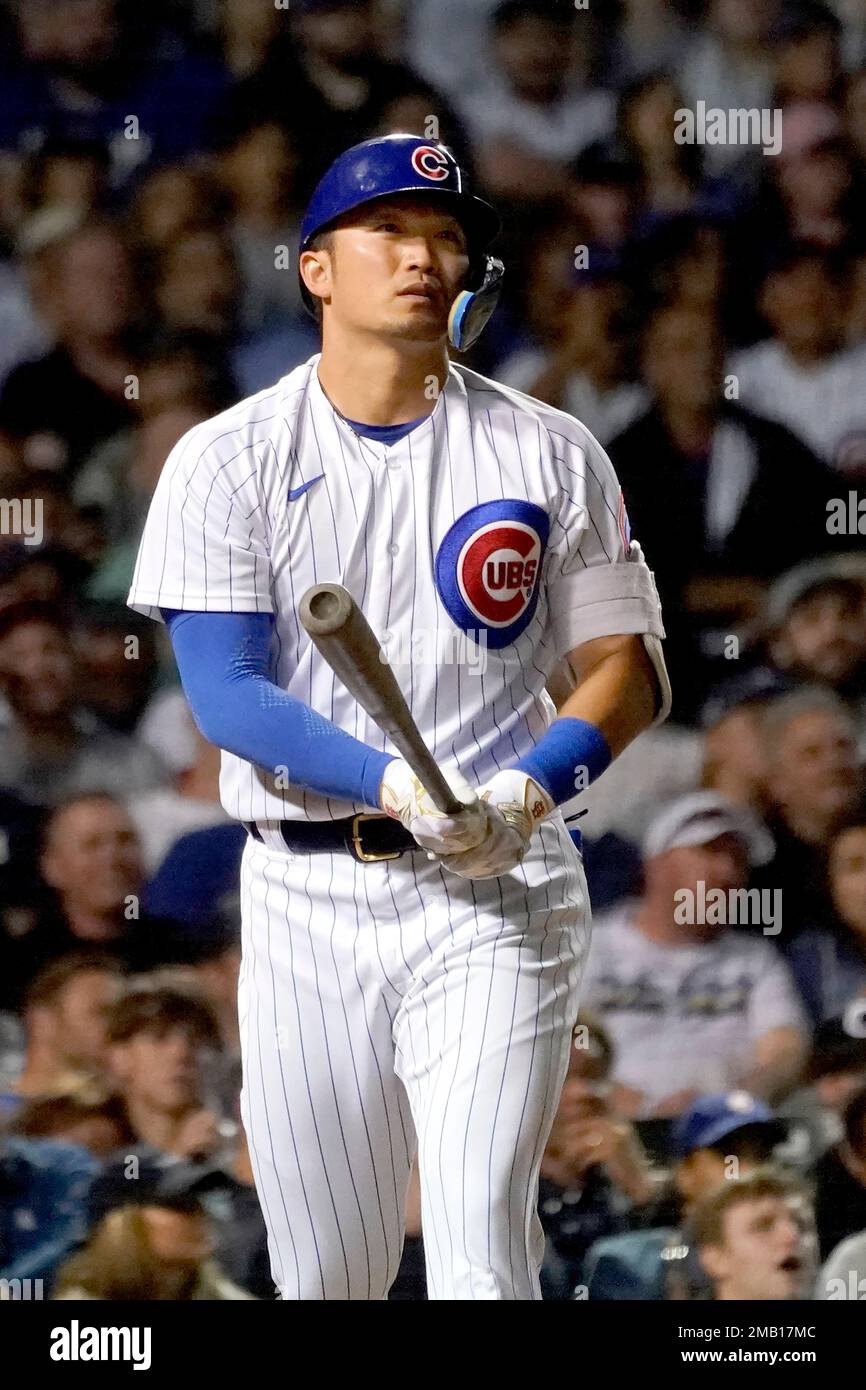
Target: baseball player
point(409, 979)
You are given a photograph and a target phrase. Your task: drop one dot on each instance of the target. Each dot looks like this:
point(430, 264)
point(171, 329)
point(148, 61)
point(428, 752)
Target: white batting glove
point(517, 804)
point(402, 796)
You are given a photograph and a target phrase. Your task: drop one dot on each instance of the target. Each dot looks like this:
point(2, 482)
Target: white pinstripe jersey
point(482, 546)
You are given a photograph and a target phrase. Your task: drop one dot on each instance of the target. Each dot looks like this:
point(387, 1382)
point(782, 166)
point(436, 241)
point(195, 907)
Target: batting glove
point(402, 796)
point(516, 804)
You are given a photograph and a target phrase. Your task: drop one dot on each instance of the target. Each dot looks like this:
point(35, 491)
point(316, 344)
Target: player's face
point(764, 1252)
point(396, 268)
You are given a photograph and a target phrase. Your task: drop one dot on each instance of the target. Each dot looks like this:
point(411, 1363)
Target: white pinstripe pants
point(381, 1001)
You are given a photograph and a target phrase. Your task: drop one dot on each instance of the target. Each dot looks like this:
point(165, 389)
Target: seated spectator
point(804, 376)
point(829, 959)
point(755, 1238)
point(257, 168)
point(43, 1211)
point(156, 1033)
point(704, 513)
point(196, 284)
point(531, 114)
point(188, 803)
point(840, 1180)
point(814, 626)
point(594, 1173)
point(814, 783)
point(171, 201)
point(602, 194)
point(59, 407)
point(718, 1135)
point(64, 1013)
point(728, 64)
point(90, 864)
point(735, 754)
point(117, 665)
point(85, 1115)
point(805, 46)
point(672, 181)
point(52, 748)
point(691, 1004)
point(835, 1071)
point(150, 1237)
point(587, 374)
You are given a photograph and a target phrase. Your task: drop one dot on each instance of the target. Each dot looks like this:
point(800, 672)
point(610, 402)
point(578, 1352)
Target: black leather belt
point(367, 837)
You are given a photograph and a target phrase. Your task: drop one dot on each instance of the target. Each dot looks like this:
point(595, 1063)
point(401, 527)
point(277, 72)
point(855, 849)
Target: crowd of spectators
point(701, 306)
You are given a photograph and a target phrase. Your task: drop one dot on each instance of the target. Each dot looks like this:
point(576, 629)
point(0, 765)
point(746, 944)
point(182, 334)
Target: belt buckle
point(362, 854)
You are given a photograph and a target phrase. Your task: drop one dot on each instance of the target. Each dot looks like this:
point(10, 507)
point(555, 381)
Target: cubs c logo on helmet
point(430, 163)
point(488, 567)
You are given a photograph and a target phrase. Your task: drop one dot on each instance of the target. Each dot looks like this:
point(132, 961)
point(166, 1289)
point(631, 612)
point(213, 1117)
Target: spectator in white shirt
point(691, 1005)
point(804, 376)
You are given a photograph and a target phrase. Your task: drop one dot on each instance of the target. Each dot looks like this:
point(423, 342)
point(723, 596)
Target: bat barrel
point(325, 609)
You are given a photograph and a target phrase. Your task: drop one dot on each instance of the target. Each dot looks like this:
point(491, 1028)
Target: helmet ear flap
point(473, 307)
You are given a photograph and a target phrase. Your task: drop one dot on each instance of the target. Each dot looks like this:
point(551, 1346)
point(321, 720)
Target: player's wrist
point(567, 759)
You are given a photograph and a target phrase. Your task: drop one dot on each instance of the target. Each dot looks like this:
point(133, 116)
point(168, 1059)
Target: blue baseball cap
point(712, 1118)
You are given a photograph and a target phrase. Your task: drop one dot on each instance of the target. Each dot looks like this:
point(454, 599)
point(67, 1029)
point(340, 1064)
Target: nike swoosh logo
point(296, 492)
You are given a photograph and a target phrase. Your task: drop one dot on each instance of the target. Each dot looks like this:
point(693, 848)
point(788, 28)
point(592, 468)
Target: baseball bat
point(346, 641)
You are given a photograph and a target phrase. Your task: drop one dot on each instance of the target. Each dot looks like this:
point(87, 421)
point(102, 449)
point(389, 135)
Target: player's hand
point(516, 804)
point(402, 796)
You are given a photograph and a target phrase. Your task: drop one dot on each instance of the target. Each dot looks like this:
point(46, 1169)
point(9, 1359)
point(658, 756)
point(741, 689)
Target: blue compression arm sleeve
point(224, 663)
point(567, 758)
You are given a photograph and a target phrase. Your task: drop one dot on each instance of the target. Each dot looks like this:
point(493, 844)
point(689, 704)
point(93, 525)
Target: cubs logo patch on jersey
point(488, 568)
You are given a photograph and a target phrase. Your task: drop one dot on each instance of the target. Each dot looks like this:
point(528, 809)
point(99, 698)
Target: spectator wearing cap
point(158, 1032)
point(60, 406)
point(706, 513)
point(89, 897)
point(814, 625)
point(531, 113)
point(690, 1003)
point(51, 747)
point(64, 1013)
point(804, 375)
point(43, 1194)
point(815, 782)
point(588, 372)
point(754, 1237)
point(595, 1175)
point(150, 1236)
point(717, 1135)
point(840, 1180)
point(829, 958)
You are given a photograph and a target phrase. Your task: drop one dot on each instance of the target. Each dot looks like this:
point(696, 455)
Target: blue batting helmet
point(390, 164)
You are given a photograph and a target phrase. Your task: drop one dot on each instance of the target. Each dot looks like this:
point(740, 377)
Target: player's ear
point(316, 272)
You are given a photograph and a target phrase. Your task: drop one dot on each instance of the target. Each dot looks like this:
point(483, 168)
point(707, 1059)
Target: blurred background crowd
point(701, 307)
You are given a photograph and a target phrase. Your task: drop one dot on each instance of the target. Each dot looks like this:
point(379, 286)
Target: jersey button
point(394, 463)
point(393, 548)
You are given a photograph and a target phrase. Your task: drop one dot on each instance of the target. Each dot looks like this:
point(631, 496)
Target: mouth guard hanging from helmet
point(392, 164)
